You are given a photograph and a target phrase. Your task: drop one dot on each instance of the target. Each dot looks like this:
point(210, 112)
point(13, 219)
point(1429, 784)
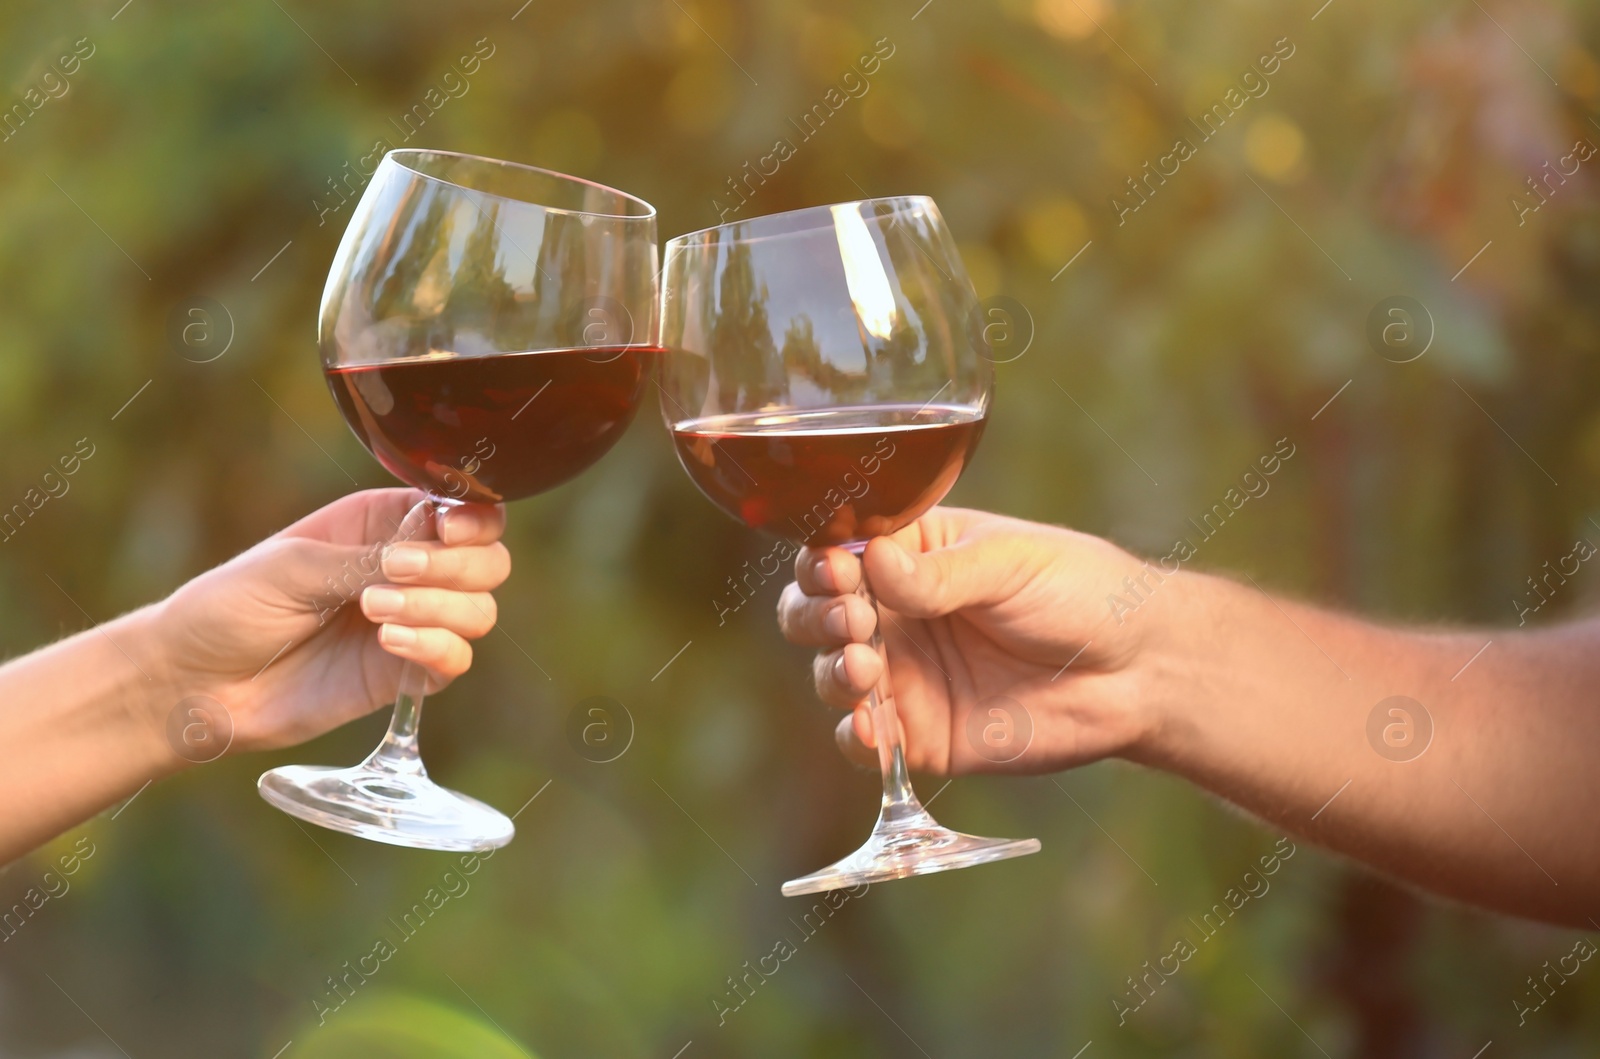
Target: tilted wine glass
point(822, 382)
point(478, 330)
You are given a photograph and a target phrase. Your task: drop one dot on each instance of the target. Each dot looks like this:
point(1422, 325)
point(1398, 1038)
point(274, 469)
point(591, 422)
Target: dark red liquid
point(494, 428)
point(839, 476)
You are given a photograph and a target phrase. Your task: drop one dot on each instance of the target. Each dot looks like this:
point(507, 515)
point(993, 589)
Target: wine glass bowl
point(414, 416)
point(825, 477)
point(821, 383)
point(487, 330)
point(463, 288)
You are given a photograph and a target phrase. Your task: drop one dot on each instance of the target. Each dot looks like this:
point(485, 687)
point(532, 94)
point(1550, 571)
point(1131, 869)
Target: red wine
point(493, 428)
point(839, 476)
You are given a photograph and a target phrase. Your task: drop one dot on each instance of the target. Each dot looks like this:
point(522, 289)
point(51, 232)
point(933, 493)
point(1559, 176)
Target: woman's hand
point(308, 629)
point(982, 613)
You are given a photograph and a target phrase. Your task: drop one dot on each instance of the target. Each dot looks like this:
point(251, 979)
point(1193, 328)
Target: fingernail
point(902, 558)
point(824, 574)
point(461, 524)
point(836, 622)
point(403, 560)
point(839, 675)
point(397, 636)
point(379, 603)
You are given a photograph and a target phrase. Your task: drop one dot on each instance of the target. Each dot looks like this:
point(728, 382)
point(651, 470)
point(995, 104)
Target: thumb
point(316, 574)
point(928, 584)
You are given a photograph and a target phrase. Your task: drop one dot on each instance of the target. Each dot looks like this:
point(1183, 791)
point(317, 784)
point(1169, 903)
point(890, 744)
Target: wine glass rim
point(399, 156)
point(822, 211)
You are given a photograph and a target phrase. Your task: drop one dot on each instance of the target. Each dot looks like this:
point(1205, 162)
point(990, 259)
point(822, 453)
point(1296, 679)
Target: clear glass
point(463, 290)
point(823, 382)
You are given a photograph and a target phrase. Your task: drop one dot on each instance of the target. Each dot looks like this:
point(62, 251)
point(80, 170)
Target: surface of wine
point(838, 476)
point(488, 429)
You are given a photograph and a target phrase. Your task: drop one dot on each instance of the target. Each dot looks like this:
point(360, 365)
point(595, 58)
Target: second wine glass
point(822, 384)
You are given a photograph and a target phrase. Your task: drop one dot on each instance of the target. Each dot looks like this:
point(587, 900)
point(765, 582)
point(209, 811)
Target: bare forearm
point(78, 730)
point(1290, 712)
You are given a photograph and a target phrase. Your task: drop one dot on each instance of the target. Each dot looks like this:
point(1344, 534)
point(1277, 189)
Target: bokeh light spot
point(1276, 148)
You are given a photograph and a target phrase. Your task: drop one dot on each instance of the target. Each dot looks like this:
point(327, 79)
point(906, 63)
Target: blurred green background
point(190, 157)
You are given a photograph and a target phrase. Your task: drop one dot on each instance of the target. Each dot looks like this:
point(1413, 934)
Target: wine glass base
point(402, 810)
point(921, 848)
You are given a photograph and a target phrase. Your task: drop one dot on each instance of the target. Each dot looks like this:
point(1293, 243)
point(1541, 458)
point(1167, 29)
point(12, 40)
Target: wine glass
point(822, 382)
point(478, 332)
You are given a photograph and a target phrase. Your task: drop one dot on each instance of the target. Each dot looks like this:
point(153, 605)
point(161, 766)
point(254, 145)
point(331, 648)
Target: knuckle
point(280, 548)
point(499, 561)
point(815, 618)
point(789, 601)
point(822, 674)
point(437, 647)
point(805, 616)
point(430, 646)
point(833, 683)
point(485, 612)
point(297, 553)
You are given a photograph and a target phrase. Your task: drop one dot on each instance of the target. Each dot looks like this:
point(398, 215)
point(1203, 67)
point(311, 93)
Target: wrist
point(150, 693)
point(1170, 667)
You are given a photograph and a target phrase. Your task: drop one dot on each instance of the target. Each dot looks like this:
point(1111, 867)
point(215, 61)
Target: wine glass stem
point(899, 800)
point(398, 753)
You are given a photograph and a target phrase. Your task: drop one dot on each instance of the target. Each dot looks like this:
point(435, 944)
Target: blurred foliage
point(191, 156)
point(403, 1026)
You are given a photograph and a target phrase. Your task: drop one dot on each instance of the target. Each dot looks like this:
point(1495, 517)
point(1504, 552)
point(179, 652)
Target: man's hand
point(1274, 705)
point(976, 606)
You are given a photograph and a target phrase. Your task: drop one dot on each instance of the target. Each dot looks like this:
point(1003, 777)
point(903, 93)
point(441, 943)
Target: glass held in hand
point(487, 330)
point(823, 383)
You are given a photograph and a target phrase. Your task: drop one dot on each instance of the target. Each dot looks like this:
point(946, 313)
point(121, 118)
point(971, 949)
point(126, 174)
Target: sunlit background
point(203, 156)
